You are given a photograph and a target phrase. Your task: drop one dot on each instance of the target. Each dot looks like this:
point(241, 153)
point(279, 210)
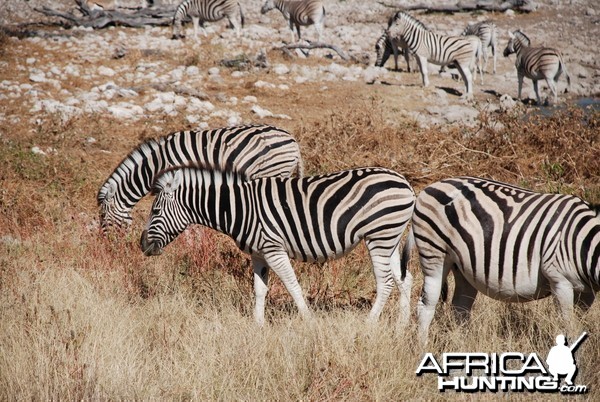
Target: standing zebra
point(536, 63)
point(310, 219)
point(509, 243)
point(428, 46)
point(384, 48)
point(208, 10)
point(299, 13)
point(257, 150)
point(487, 34)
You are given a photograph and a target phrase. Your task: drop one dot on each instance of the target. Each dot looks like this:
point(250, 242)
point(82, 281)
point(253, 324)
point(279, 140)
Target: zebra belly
point(525, 288)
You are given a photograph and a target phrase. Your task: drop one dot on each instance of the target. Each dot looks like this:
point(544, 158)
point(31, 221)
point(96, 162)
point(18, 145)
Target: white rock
point(109, 72)
point(281, 69)
point(30, 60)
point(37, 77)
point(249, 99)
point(37, 151)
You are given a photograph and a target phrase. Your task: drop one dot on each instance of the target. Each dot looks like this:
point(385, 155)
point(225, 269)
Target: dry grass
point(82, 317)
point(91, 318)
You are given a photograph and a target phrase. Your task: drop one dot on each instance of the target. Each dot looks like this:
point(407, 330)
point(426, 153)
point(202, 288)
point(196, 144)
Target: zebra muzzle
point(149, 248)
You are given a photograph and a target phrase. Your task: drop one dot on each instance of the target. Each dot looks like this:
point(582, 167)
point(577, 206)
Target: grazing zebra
point(384, 48)
point(509, 243)
point(208, 10)
point(536, 63)
point(258, 150)
point(299, 13)
point(428, 46)
point(309, 219)
point(487, 34)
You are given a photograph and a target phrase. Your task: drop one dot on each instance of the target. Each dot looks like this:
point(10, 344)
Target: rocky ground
point(133, 74)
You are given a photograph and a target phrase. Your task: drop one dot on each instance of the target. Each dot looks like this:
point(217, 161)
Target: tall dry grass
point(83, 317)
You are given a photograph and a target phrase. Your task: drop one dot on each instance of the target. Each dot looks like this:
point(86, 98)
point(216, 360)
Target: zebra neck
point(217, 200)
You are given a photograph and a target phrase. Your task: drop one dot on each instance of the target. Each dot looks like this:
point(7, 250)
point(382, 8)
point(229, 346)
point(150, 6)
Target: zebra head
point(382, 50)
point(112, 210)
point(168, 217)
point(268, 6)
point(517, 40)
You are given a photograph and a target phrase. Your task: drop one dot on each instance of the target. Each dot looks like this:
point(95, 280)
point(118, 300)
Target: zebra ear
point(174, 182)
point(510, 34)
point(111, 190)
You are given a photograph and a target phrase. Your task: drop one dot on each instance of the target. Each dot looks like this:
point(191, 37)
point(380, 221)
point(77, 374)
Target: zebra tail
point(564, 68)
point(409, 245)
point(300, 168)
point(444, 293)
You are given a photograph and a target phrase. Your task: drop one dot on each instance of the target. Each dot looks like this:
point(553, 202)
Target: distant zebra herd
point(507, 242)
point(404, 35)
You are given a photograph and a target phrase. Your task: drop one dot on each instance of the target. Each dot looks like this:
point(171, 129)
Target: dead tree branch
point(524, 6)
point(315, 45)
point(98, 19)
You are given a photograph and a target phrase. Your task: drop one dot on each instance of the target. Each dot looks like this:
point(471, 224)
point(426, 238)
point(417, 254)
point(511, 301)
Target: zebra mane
point(521, 37)
point(412, 20)
point(199, 168)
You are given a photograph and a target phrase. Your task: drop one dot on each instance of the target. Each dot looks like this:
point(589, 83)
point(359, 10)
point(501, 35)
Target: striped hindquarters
point(539, 62)
point(504, 239)
point(306, 12)
point(207, 10)
point(485, 30)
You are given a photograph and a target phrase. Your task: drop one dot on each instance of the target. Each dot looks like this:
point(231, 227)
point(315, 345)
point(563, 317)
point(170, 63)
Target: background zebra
point(258, 150)
point(536, 63)
point(487, 34)
point(297, 13)
point(509, 243)
point(310, 219)
point(208, 10)
point(428, 46)
point(384, 48)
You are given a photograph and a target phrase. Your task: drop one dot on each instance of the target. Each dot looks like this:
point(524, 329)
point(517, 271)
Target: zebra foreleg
point(520, 83)
point(463, 298)
point(422, 62)
point(261, 287)
point(465, 73)
point(537, 92)
point(279, 262)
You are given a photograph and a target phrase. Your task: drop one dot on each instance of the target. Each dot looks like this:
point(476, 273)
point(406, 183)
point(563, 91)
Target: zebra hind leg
point(404, 286)
point(465, 73)
point(464, 297)
point(435, 272)
point(384, 280)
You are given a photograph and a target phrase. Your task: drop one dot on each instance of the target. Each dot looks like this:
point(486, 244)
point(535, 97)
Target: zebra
point(258, 150)
point(428, 46)
point(507, 242)
point(487, 33)
point(384, 48)
point(208, 10)
point(536, 63)
point(274, 219)
point(299, 13)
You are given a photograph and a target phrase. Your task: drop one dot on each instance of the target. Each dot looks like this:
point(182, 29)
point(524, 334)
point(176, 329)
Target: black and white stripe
point(299, 13)
point(536, 63)
point(509, 243)
point(487, 33)
point(384, 48)
point(257, 150)
point(428, 46)
point(309, 219)
point(202, 11)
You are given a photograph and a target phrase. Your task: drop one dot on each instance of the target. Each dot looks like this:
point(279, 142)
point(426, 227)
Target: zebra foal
point(536, 63)
point(299, 13)
point(258, 150)
point(202, 11)
point(309, 219)
point(384, 48)
point(506, 242)
point(428, 46)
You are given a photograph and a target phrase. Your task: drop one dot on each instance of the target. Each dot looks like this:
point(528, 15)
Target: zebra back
point(300, 12)
point(502, 237)
point(485, 30)
point(256, 150)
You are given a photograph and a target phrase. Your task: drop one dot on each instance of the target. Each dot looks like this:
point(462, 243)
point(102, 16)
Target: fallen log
point(314, 45)
point(524, 6)
point(98, 18)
